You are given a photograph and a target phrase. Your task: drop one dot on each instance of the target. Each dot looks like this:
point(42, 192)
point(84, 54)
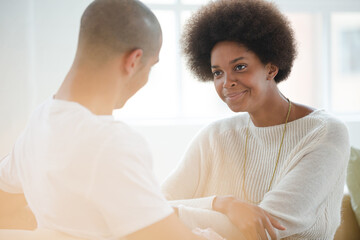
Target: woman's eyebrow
point(236, 59)
point(231, 62)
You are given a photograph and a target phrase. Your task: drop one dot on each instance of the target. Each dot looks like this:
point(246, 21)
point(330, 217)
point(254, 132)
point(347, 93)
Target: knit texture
point(307, 188)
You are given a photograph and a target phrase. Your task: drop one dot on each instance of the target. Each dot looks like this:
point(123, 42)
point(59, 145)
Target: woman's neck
point(272, 112)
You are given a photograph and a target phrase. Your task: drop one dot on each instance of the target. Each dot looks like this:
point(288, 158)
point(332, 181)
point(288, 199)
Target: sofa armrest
point(349, 228)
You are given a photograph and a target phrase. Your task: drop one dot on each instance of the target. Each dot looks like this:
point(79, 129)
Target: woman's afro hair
point(256, 24)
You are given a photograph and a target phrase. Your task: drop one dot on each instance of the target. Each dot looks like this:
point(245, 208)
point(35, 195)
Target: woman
point(276, 171)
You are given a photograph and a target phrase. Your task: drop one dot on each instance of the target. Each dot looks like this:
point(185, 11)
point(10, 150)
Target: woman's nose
point(229, 82)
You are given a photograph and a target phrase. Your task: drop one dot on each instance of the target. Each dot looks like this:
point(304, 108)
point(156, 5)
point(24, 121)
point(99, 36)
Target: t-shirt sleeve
point(9, 178)
point(124, 188)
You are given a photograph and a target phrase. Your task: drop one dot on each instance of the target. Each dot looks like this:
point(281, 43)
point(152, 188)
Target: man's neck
point(95, 90)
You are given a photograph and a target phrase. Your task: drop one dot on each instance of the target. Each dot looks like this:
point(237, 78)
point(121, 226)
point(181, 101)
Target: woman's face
point(240, 78)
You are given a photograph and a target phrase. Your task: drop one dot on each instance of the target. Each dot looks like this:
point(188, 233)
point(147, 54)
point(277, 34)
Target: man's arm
point(38, 234)
point(155, 231)
point(14, 212)
point(170, 228)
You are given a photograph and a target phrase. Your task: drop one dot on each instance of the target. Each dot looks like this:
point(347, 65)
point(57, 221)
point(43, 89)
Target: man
point(81, 172)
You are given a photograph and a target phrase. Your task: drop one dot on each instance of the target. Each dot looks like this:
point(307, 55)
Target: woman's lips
point(234, 95)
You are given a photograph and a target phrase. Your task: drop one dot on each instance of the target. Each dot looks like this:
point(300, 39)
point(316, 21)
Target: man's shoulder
point(68, 123)
point(121, 132)
point(120, 138)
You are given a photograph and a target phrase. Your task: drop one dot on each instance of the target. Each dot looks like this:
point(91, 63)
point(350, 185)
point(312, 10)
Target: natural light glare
point(200, 99)
point(302, 84)
point(160, 97)
point(345, 65)
point(158, 1)
point(194, 1)
point(174, 93)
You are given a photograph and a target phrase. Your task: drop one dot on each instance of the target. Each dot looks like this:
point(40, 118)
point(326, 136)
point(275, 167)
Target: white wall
point(34, 57)
point(14, 70)
point(168, 143)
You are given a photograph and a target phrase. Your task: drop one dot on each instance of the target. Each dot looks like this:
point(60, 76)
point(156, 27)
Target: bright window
point(345, 64)
point(326, 73)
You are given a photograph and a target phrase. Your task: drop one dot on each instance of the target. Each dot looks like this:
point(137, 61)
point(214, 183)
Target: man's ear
point(132, 60)
point(272, 71)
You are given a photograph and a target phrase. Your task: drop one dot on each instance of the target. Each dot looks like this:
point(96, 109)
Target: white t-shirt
point(84, 174)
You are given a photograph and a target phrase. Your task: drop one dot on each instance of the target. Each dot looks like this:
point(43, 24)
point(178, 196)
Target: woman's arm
point(188, 179)
point(204, 203)
point(296, 200)
point(251, 220)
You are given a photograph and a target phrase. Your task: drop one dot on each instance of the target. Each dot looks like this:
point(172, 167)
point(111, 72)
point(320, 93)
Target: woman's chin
point(236, 108)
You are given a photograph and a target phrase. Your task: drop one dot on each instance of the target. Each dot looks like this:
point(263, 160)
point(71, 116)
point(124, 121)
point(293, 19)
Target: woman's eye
point(240, 67)
point(216, 73)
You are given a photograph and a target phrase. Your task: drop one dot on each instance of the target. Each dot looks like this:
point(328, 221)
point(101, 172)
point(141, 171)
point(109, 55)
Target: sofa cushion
point(353, 181)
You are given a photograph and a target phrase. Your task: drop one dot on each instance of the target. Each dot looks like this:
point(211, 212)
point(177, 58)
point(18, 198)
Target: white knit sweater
point(308, 185)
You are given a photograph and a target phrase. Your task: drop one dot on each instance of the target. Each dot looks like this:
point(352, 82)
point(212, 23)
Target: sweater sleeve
point(186, 182)
point(204, 203)
point(187, 179)
point(297, 198)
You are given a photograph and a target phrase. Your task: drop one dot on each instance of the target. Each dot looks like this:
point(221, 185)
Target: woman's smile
point(234, 96)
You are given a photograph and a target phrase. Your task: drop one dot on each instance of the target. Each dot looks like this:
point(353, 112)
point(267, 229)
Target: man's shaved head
point(111, 27)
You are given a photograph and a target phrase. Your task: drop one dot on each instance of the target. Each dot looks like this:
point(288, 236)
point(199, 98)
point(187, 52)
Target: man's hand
point(251, 220)
point(176, 210)
point(208, 234)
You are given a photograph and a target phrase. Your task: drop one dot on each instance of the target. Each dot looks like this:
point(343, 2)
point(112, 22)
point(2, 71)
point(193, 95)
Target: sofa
point(349, 228)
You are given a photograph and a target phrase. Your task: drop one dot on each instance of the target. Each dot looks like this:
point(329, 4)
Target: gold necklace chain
point(277, 160)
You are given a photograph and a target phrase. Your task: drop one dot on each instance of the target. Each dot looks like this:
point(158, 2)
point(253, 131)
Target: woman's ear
point(272, 71)
point(133, 60)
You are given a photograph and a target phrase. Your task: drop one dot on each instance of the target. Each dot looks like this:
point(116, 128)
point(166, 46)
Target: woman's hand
point(251, 220)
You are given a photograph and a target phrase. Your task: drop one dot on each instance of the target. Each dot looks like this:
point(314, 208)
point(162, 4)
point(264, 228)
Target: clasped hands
point(251, 220)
